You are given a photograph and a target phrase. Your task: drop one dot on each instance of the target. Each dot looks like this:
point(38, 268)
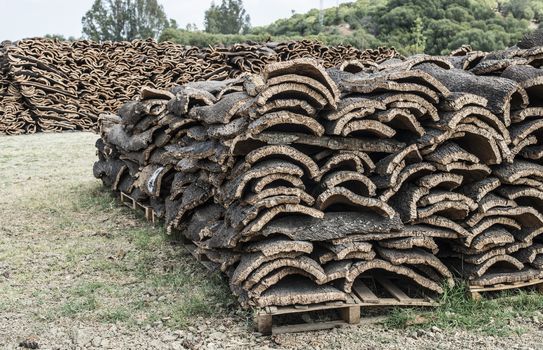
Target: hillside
point(414, 26)
point(411, 26)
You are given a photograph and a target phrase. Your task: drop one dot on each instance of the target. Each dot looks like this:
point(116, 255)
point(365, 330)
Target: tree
point(227, 18)
point(120, 20)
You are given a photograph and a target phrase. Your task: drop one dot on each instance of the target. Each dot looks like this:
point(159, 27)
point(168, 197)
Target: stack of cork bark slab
point(302, 182)
point(49, 85)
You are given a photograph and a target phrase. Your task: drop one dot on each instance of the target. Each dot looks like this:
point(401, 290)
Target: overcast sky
point(30, 18)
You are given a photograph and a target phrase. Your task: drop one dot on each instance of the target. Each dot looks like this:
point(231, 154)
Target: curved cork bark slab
point(401, 119)
point(336, 127)
point(366, 126)
point(526, 114)
point(332, 226)
point(254, 198)
point(477, 190)
point(388, 164)
point(360, 268)
point(353, 181)
point(532, 152)
point(370, 84)
point(342, 250)
point(410, 243)
point(239, 215)
point(521, 131)
point(234, 188)
point(530, 78)
point(415, 230)
point(480, 270)
point(251, 262)
point(481, 142)
point(345, 161)
point(406, 199)
point(302, 263)
point(299, 291)
point(284, 152)
point(474, 258)
point(502, 94)
point(473, 172)
point(491, 201)
point(286, 120)
point(490, 279)
point(195, 195)
point(324, 257)
point(492, 237)
point(454, 210)
point(263, 219)
point(355, 105)
point(150, 178)
point(356, 66)
point(293, 90)
point(341, 195)
point(292, 105)
point(201, 221)
point(523, 195)
point(117, 136)
point(412, 80)
point(276, 181)
point(414, 257)
point(410, 173)
point(110, 172)
point(510, 173)
point(489, 222)
point(450, 152)
point(276, 245)
point(228, 130)
point(420, 107)
point(330, 95)
point(529, 254)
point(223, 111)
point(274, 278)
point(303, 67)
point(443, 222)
point(455, 101)
point(436, 196)
point(448, 181)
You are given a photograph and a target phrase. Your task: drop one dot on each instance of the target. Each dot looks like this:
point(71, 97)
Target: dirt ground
point(79, 271)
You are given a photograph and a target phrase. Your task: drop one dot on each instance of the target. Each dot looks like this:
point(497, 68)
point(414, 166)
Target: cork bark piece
point(354, 181)
point(285, 120)
point(302, 263)
point(299, 291)
point(284, 152)
point(332, 226)
point(223, 111)
point(341, 195)
point(302, 67)
point(427, 243)
point(446, 181)
point(254, 198)
point(276, 245)
point(254, 227)
point(362, 267)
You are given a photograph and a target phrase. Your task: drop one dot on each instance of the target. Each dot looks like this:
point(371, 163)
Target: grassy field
point(70, 254)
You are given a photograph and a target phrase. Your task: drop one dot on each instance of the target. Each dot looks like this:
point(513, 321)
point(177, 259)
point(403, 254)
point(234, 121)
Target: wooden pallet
point(349, 312)
point(474, 292)
point(130, 202)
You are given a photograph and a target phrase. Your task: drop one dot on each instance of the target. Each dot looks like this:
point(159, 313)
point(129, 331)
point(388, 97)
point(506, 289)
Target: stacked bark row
point(300, 181)
point(49, 85)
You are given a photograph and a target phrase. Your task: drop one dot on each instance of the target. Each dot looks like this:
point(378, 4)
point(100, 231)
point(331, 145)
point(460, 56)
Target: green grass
point(491, 315)
point(86, 256)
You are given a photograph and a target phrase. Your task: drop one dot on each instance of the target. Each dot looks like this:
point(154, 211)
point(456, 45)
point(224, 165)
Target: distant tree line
point(411, 26)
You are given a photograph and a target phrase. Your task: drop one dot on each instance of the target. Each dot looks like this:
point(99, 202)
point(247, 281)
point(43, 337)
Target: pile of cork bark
point(49, 85)
point(300, 180)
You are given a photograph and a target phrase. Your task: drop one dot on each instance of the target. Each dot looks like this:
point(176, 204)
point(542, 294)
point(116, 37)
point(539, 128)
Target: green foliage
point(227, 18)
point(415, 26)
point(120, 20)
